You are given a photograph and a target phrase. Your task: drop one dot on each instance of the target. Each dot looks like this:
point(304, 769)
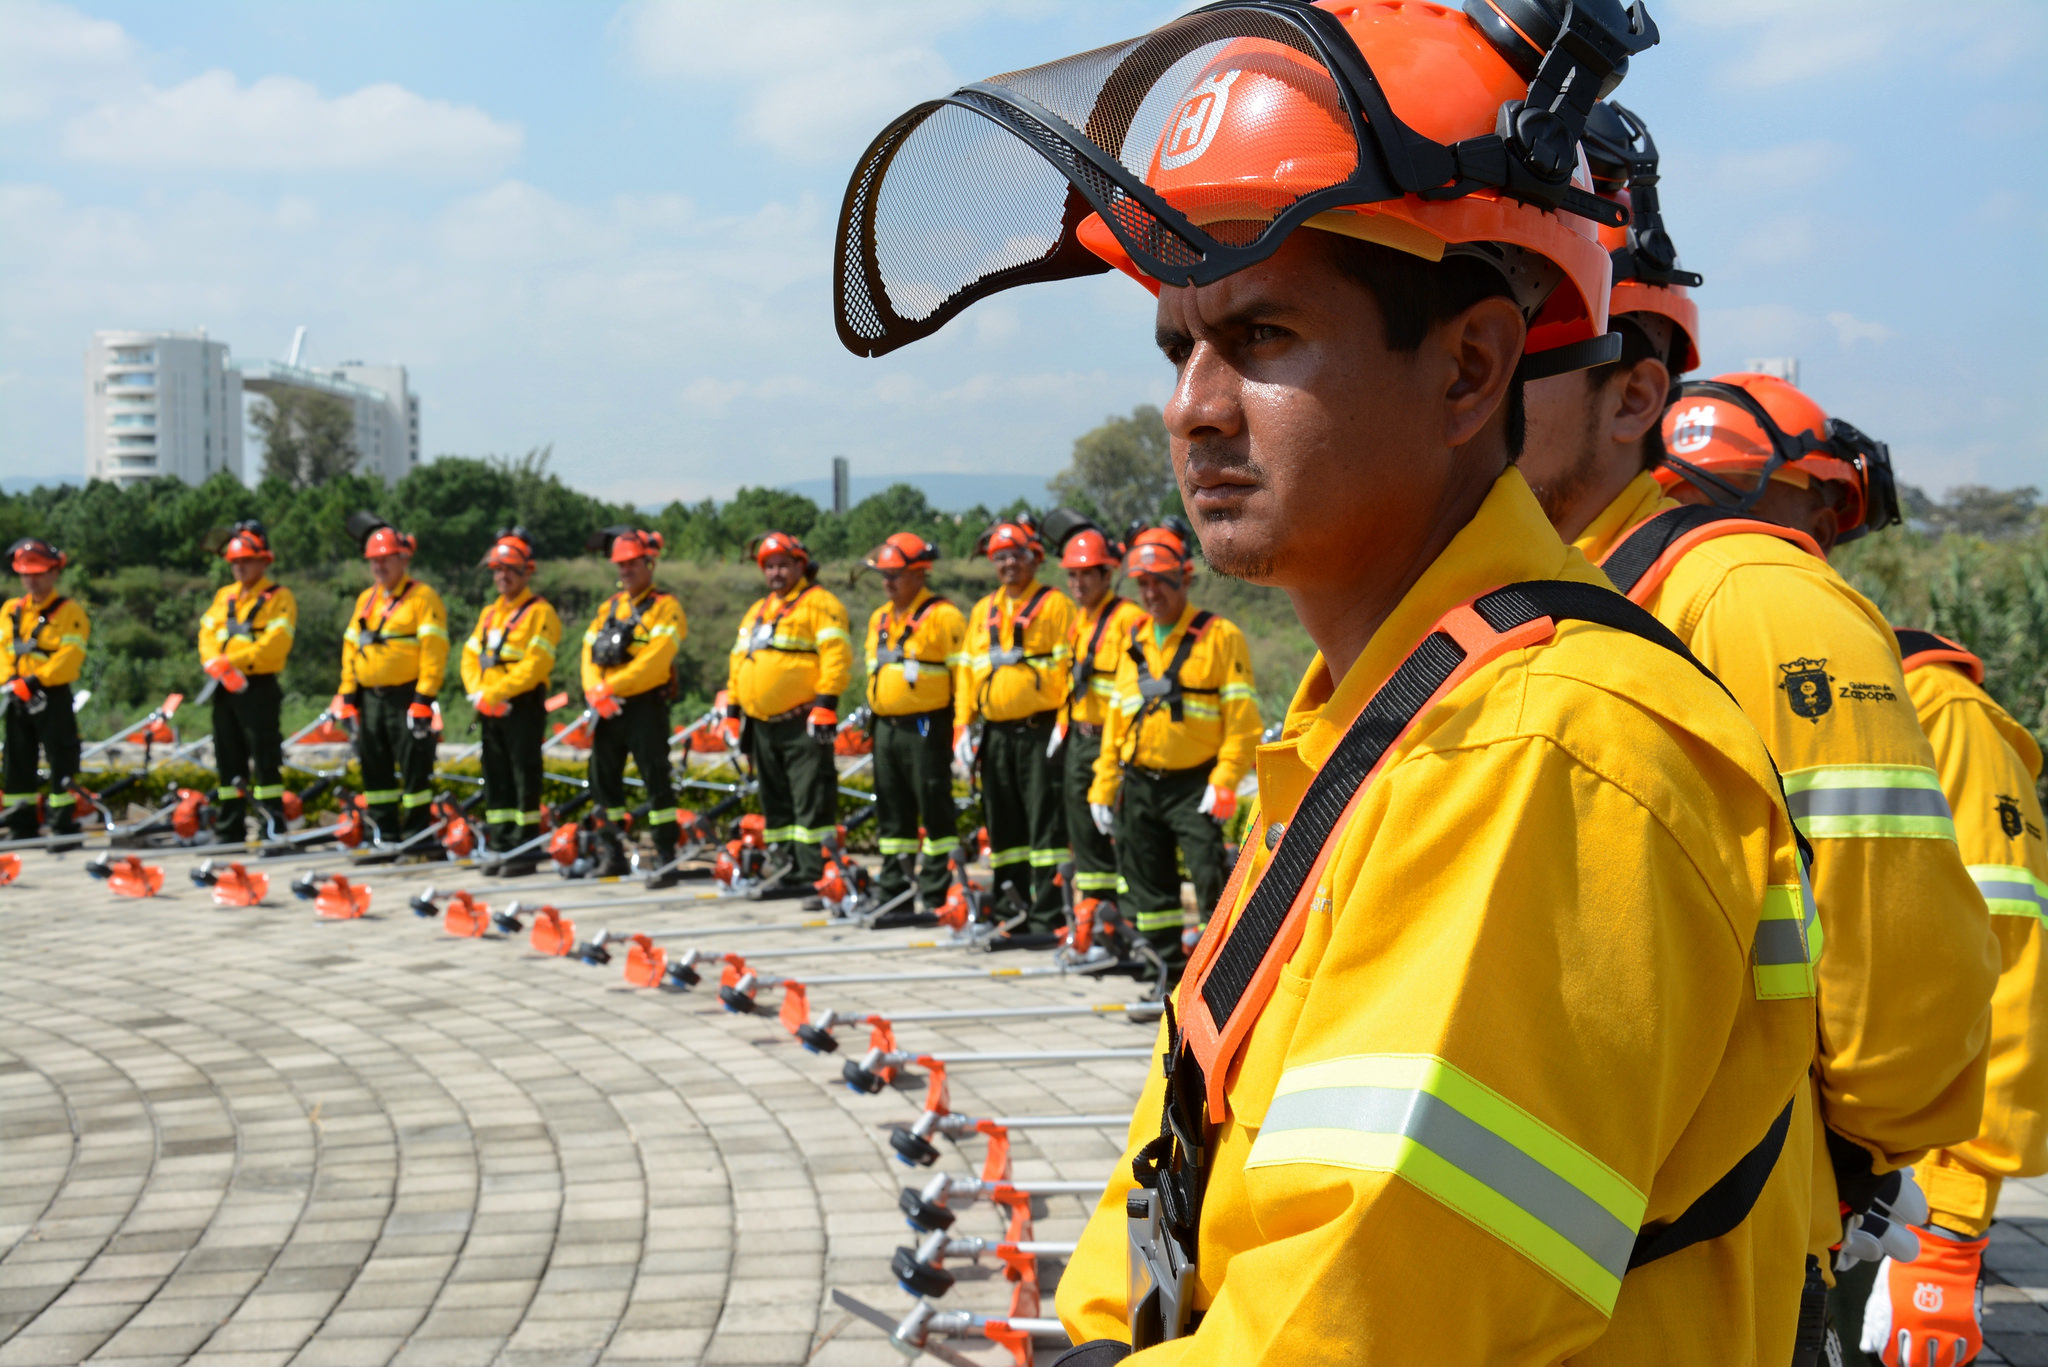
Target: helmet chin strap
point(1719, 491)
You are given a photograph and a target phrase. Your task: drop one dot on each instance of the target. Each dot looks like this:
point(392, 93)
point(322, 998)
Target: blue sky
point(609, 226)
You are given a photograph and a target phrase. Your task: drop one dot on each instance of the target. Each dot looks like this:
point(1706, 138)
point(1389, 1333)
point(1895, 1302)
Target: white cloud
point(1849, 330)
point(51, 55)
point(1813, 40)
point(280, 123)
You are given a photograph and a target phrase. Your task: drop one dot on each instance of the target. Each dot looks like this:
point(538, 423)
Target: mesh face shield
point(1200, 146)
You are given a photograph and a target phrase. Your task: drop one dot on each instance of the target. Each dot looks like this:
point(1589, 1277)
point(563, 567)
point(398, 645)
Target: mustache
point(1213, 456)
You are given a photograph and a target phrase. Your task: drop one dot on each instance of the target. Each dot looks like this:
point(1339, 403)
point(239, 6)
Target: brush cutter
point(10, 868)
point(877, 1068)
point(682, 968)
point(816, 1034)
point(156, 727)
point(925, 1208)
point(233, 886)
point(738, 984)
point(916, 1333)
point(920, 1272)
point(127, 876)
point(913, 1144)
point(337, 899)
point(647, 963)
point(508, 919)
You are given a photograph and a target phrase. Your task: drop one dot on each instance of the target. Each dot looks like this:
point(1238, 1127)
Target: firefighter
point(629, 661)
point(1496, 1049)
point(1182, 728)
point(45, 645)
point(1905, 983)
point(914, 649)
point(394, 655)
point(1016, 681)
point(245, 637)
point(506, 664)
point(1101, 634)
point(792, 660)
point(1990, 766)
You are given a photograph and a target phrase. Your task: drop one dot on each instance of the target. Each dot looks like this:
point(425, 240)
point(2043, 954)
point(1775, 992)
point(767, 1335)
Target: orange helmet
point(1743, 423)
point(1209, 140)
point(512, 548)
point(778, 543)
point(1010, 536)
point(1089, 548)
point(1160, 550)
point(1647, 280)
point(637, 544)
point(247, 541)
point(903, 551)
point(389, 541)
point(33, 555)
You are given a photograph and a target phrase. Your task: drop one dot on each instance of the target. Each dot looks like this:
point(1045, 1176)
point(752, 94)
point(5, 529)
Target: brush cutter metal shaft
point(834, 1017)
point(897, 1058)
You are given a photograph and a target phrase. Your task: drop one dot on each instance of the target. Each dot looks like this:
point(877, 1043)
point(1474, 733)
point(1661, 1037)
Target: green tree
point(308, 437)
point(1122, 471)
point(1974, 510)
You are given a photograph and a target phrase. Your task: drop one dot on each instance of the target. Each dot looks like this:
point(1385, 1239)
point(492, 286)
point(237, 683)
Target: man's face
point(1585, 437)
point(39, 583)
point(1164, 595)
point(1300, 440)
point(636, 574)
point(388, 570)
point(1088, 586)
point(903, 585)
point(782, 572)
point(1015, 567)
point(510, 579)
point(247, 572)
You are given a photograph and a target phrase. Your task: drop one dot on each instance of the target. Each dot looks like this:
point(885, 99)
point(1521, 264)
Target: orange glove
point(222, 670)
point(486, 708)
point(343, 708)
point(603, 701)
point(1929, 1309)
point(824, 725)
point(419, 719)
point(1220, 803)
point(724, 705)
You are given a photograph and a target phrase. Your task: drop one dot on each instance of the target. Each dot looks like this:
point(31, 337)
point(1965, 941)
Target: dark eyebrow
point(1248, 312)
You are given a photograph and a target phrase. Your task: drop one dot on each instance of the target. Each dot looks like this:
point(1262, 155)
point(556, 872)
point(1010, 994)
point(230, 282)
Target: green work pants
point(512, 770)
point(398, 771)
point(913, 790)
point(1027, 823)
point(799, 792)
point(1158, 813)
point(1094, 853)
point(248, 752)
point(641, 731)
point(53, 731)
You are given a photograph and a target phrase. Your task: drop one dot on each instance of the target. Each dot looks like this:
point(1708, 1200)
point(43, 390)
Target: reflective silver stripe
point(1867, 802)
point(1780, 942)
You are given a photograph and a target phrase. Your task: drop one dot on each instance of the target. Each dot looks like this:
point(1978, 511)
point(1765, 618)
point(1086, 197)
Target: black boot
point(664, 874)
point(611, 854)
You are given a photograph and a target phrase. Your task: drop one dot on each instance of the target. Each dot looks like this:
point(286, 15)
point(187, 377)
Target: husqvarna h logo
point(1692, 429)
point(1196, 121)
point(1927, 1297)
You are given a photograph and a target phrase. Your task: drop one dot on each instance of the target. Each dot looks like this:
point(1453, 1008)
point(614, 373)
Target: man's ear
point(1639, 401)
point(1482, 346)
point(1824, 525)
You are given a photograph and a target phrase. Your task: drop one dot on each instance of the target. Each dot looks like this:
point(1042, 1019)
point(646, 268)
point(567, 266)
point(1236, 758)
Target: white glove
point(1059, 733)
point(1884, 1231)
point(1105, 816)
point(1220, 803)
point(476, 697)
point(963, 749)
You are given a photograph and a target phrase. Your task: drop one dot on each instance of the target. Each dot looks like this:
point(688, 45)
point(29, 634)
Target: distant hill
point(948, 491)
point(24, 484)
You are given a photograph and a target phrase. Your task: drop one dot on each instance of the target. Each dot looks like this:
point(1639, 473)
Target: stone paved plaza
point(246, 1137)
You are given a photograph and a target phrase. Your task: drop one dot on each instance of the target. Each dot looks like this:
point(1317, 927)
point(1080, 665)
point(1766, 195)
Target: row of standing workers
point(1097, 730)
point(1637, 939)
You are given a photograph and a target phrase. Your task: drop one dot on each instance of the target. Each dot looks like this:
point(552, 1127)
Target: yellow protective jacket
point(1526, 990)
point(512, 650)
point(1989, 765)
point(1108, 629)
point(44, 640)
point(396, 638)
point(789, 652)
point(1219, 725)
point(657, 635)
point(925, 652)
point(253, 627)
point(1010, 674)
point(1908, 957)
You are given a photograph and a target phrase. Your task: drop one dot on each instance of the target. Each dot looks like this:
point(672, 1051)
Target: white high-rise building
point(161, 403)
point(387, 413)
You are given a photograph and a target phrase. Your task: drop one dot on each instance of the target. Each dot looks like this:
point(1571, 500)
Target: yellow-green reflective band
point(382, 797)
point(1103, 687)
point(654, 632)
point(833, 634)
point(2010, 890)
point(814, 835)
point(263, 792)
point(1128, 705)
point(776, 834)
point(898, 844)
point(1169, 919)
point(429, 629)
point(1838, 801)
point(665, 817)
point(1095, 882)
point(1238, 692)
point(20, 797)
point(1780, 957)
point(78, 641)
point(616, 813)
point(1021, 854)
point(1455, 1139)
point(956, 659)
point(543, 645)
point(504, 816)
point(1049, 859)
point(939, 849)
point(226, 791)
point(417, 799)
point(1207, 711)
point(64, 799)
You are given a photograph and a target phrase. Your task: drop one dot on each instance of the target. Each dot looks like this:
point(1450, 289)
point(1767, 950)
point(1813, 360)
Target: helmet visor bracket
point(987, 188)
